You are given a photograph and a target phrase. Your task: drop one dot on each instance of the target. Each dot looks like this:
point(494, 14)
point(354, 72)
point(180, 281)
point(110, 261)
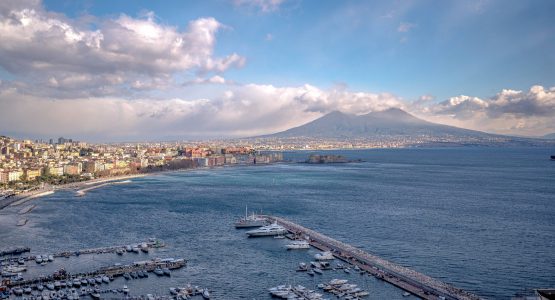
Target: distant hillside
point(550, 136)
point(391, 122)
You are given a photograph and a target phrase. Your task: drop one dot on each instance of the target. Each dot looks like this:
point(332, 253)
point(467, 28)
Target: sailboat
point(250, 221)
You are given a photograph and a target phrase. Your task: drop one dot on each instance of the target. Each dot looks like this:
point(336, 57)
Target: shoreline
point(84, 186)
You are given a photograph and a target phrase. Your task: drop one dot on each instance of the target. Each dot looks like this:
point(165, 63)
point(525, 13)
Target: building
point(73, 169)
point(56, 170)
point(14, 175)
point(32, 174)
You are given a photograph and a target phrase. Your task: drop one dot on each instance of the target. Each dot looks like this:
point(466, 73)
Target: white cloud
point(262, 5)
point(238, 111)
point(53, 50)
point(405, 27)
point(508, 112)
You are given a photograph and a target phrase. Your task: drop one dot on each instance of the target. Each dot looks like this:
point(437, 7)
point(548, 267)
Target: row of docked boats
point(189, 291)
point(297, 292)
point(343, 289)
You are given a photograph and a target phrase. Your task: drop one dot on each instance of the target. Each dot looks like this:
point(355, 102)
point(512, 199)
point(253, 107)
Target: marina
point(409, 280)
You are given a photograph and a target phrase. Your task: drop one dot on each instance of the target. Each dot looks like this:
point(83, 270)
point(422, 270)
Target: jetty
point(14, 251)
point(115, 271)
point(409, 280)
point(151, 243)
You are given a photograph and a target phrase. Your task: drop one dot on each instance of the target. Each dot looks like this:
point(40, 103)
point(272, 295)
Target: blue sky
point(450, 47)
point(246, 67)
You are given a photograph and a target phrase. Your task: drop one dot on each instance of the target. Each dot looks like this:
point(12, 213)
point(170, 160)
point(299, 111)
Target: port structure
point(409, 280)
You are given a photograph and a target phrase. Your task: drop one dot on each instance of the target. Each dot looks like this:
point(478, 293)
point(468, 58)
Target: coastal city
point(27, 165)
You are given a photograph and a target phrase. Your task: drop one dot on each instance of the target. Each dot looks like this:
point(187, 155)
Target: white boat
point(250, 221)
point(301, 244)
point(14, 269)
point(125, 289)
point(38, 259)
point(324, 256)
point(270, 230)
point(205, 294)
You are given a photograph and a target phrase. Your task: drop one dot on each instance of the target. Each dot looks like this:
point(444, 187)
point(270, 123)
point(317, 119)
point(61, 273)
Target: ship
point(270, 230)
point(250, 221)
point(552, 157)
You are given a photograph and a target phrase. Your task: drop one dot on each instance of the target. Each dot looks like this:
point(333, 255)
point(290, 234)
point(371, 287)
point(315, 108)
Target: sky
point(153, 70)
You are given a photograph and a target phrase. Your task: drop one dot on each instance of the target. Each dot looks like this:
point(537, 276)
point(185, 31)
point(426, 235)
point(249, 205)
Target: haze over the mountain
point(390, 122)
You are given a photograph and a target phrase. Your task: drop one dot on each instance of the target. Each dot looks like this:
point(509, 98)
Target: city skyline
point(132, 71)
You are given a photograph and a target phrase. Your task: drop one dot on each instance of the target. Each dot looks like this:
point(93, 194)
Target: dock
point(409, 280)
point(151, 243)
point(14, 251)
point(115, 271)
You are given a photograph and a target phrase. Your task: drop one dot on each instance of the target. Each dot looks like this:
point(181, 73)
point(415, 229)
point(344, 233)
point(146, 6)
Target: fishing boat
point(205, 294)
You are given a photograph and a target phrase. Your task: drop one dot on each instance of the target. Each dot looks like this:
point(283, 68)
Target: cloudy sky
point(149, 70)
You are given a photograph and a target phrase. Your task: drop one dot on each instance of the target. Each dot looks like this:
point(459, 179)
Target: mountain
point(390, 122)
point(550, 136)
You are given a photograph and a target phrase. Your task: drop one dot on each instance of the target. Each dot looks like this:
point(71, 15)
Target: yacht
point(125, 290)
point(250, 221)
point(270, 230)
point(324, 256)
point(301, 244)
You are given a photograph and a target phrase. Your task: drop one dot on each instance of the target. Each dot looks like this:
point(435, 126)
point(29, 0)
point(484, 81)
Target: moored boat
point(270, 230)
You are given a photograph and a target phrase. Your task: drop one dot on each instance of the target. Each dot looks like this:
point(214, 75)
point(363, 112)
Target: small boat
point(27, 290)
point(125, 289)
point(406, 294)
point(302, 267)
point(318, 271)
point(105, 279)
point(324, 256)
point(134, 275)
point(135, 249)
point(77, 282)
point(128, 248)
point(95, 294)
point(173, 291)
point(158, 271)
point(51, 258)
point(50, 286)
point(347, 270)
point(21, 261)
point(301, 244)
point(310, 272)
point(38, 259)
point(91, 281)
point(119, 251)
point(22, 222)
point(205, 294)
point(40, 287)
point(166, 271)
point(126, 276)
point(57, 285)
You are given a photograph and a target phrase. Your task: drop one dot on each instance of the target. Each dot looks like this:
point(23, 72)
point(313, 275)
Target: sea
point(482, 219)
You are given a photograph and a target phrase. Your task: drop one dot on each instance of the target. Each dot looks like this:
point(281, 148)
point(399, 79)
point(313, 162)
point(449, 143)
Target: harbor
point(409, 280)
point(95, 283)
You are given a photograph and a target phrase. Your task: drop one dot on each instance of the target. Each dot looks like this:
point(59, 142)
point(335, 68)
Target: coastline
point(83, 186)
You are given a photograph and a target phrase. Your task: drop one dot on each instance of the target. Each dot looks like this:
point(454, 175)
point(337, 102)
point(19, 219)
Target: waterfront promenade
point(409, 280)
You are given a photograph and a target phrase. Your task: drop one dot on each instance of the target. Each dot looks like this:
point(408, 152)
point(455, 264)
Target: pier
point(151, 243)
point(114, 271)
point(409, 280)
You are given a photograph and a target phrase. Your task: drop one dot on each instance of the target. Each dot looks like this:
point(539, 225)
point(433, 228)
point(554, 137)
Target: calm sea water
point(481, 219)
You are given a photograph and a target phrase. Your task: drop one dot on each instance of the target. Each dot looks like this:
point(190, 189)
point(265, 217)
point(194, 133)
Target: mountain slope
point(390, 122)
